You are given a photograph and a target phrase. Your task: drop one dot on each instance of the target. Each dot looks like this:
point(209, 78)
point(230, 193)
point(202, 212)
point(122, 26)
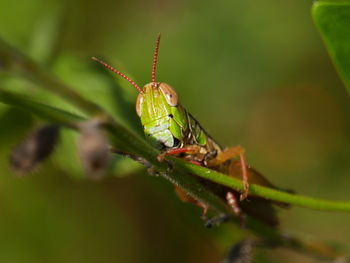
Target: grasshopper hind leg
point(233, 203)
point(185, 197)
point(228, 154)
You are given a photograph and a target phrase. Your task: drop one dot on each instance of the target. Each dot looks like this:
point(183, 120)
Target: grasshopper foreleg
point(193, 149)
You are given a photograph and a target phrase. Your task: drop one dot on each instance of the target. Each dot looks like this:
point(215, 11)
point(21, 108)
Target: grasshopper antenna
point(119, 73)
point(155, 59)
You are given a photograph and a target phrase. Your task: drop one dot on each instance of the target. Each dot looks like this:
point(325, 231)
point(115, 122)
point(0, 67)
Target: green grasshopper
point(173, 130)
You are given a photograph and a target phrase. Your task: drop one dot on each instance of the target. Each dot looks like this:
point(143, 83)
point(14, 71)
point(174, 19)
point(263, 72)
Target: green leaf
point(47, 112)
point(123, 95)
point(47, 36)
point(100, 86)
point(333, 20)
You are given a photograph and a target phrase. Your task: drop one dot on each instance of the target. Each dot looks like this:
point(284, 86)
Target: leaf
point(100, 86)
point(47, 112)
point(47, 36)
point(124, 98)
point(333, 21)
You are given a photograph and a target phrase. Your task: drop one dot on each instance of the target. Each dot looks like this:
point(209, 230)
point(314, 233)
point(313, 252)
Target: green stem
point(68, 119)
point(47, 112)
point(265, 192)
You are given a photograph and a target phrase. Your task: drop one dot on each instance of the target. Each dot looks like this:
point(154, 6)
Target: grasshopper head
point(158, 107)
point(162, 117)
point(155, 90)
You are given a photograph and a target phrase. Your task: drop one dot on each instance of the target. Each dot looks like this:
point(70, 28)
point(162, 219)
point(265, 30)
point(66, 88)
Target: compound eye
point(139, 104)
point(169, 94)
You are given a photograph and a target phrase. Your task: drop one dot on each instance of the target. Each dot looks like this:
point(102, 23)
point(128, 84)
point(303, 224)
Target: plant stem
point(265, 192)
point(47, 112)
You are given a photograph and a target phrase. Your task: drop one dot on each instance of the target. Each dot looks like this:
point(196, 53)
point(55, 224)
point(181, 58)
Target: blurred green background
point(255, 74)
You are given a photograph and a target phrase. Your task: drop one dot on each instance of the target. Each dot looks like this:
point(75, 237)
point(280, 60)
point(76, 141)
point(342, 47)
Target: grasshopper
point(173, 130)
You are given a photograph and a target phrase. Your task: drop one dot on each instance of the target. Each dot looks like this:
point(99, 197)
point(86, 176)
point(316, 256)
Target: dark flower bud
point(241, 252)
point(34, 149)
point(93, 149)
